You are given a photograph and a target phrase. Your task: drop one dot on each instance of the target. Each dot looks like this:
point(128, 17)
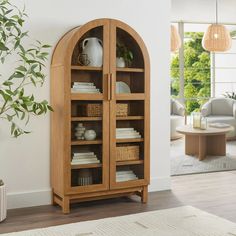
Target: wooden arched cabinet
point(107, 176)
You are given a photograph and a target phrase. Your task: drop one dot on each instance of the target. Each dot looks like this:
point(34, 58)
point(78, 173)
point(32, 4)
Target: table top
point(188, 129)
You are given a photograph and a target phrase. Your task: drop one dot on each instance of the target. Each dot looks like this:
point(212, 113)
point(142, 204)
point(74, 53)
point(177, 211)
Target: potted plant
point(230, 95)
point(3, 201)
point(17, 105)
point(124, 56)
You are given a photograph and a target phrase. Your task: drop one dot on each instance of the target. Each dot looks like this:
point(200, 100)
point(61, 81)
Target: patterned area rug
point(182, 164)
point(181, 221)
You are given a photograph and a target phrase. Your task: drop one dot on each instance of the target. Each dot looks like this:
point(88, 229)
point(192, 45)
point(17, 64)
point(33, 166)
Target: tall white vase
point(92, 47)
point(3, 203)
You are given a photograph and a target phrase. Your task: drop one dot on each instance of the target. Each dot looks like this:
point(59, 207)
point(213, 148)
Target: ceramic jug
point(92, 47)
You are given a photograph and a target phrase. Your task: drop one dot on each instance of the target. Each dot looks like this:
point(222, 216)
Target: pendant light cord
point(216, 11)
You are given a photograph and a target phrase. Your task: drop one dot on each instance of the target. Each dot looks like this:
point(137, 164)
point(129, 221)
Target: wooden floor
point(213, 192)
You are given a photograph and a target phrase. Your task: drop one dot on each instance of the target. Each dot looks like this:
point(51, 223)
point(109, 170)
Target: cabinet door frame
point(105, 119)
point(114, 24)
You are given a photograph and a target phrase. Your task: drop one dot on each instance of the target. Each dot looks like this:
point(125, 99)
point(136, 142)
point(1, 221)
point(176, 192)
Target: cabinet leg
point(66, 205)
point(144, 195)
point(53, 202)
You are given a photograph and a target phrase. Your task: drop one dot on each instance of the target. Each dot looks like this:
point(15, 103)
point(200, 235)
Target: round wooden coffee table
point(211, 141)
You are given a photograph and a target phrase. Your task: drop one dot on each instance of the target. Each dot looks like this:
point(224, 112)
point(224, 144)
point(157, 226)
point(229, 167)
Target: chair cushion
point(222, 106)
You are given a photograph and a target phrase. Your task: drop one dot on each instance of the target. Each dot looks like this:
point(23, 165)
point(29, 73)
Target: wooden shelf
point(87, 96)
point(91, 68)
point(129, 140)
point(86, 166)
point(85, 142)
point(129, 69)
point(129, 117)
point(130, 96)
point(124, 163)
point(86, 118)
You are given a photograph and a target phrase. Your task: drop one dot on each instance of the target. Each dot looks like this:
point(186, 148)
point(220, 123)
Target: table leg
point(202, 148)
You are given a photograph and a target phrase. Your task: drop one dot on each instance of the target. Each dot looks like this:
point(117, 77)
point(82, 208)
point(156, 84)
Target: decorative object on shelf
point(217, 38)
point(126, 152)
point(196, 120)
point(175, 39)
point(124, 56)
point(84, 87)
point(123, 133)
point(80, 130)
point(122, 109)
point(90, 135)
point(92, 47)
point(120, 62)
point(125, 175)
point(80, 158)
point(203, 123)
point(219, 125)
point(122, 87)
point(83, 59)
point(91, 109)
point(85, 177)
point(3, 201)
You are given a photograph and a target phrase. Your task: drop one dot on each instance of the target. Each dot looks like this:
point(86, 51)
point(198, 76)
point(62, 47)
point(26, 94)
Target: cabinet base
point(66, 200)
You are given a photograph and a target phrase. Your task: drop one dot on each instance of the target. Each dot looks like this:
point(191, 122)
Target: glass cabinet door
point(88, 158)
point(128, 129)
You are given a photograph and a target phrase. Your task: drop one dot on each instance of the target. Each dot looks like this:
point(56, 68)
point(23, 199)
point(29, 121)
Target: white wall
point(25, 162)
point(203, 10)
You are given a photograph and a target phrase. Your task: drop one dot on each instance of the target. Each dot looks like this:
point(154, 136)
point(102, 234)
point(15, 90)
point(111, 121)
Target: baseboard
point(28, 199)
point(160, 184)
point(43, 197)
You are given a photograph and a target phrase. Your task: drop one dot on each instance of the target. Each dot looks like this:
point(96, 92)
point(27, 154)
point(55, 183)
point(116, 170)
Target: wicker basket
point(122, 109)
point(127, 153)
point(95, 109)
point(91, 109)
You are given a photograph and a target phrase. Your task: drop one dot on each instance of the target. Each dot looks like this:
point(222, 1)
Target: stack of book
point(125, 175)
point(84, 87)
point(80, 158)
point(123, 133)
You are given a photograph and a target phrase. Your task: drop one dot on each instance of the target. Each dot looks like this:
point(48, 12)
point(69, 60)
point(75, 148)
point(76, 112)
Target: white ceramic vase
point(92, 47)
point(3, 203)
point(90, 134)
point(120, 62)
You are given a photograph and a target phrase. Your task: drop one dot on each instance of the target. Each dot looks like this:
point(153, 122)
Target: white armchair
point(221, 110)
point(177, 118)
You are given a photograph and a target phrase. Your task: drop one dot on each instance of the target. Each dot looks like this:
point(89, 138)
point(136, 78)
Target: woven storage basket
point(122, 109)
point(95, 109)
point(127, 153)
point(92, 109)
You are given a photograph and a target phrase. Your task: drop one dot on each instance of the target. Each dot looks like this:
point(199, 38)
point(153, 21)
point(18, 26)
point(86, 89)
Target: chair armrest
point(206, 109)
point(234, 110)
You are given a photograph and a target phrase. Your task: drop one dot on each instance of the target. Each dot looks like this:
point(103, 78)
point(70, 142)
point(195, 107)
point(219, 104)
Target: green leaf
point(3, 47)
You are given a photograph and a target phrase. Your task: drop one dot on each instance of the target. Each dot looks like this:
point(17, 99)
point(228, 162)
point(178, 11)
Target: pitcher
point(92, 47)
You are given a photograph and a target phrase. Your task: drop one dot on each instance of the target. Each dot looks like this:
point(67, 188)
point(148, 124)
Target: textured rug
point(182, 164)
point(181, 221)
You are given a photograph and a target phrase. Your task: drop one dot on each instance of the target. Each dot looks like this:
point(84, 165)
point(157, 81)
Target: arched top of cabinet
point(64, 49)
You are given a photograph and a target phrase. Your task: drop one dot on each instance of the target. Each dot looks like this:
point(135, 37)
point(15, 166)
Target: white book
point(124, 129)
point(83, 83)
point(128, 137)
point(84, 157)
point(76, 91)
point(84, 162)
point(83, 153)
point(83, 87)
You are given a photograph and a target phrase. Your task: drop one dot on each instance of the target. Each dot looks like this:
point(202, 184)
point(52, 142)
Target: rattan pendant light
point(175, 39)
point(217, 38)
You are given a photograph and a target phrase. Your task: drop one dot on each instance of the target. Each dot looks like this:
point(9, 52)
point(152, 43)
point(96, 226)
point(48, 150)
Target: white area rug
point(181, 221)
point(182, 164)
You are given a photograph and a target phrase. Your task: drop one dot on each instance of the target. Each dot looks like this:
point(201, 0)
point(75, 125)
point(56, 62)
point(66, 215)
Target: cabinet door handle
point(108, 87)
point(112, 86)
